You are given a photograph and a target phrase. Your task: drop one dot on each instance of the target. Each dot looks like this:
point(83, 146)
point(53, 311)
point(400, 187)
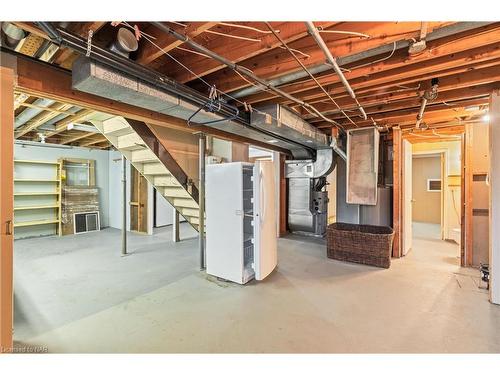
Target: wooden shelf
point(37, 162)
point(37, 187)
point(34, 180)
point(35, 222)
point(41, 207)
point(37, 193)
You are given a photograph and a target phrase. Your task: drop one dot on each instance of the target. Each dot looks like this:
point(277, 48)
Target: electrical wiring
point(246, 27)
point(234, 67)
point(312, 76)
point(199, 77)
point(297, 51)
point(191, 51)
point(353, 33)
point(233, 36)
point(375, 61)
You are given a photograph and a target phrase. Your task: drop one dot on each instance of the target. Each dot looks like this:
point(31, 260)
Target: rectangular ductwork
point(283, 121)
point(290, 132)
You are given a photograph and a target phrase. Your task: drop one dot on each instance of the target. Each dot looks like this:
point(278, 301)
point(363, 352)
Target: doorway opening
point(427, 195)
point(432, 199)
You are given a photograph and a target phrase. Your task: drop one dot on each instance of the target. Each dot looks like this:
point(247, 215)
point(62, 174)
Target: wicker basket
point(366, 244)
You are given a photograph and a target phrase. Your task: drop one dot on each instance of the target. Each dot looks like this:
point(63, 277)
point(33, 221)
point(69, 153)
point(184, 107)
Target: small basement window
point(433, 184)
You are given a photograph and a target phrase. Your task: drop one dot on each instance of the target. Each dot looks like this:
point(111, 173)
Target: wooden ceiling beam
point(438, 112)
point(381, 116)
point(31, 28)
point(75, 138)
point(440, 56)
point(148, 52)
point(279, 62)
point(48, 114)
point(451, 98)
point(404, 100)
point(20, 99)
point(90, 142)
point(81, 29)
point(237, 50)
point(479, 73)
point(42, 80)
point(63, 124)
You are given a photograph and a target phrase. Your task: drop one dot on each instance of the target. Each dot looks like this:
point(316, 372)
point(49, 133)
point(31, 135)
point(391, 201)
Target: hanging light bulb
point(42, 137)
point(486, 118)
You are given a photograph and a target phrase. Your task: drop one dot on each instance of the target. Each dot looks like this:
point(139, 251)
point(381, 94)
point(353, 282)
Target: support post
point(201, 199)
point(397, 191)
point(124, 205)
point(175, 227)
point(494, 219)
point(6, 206)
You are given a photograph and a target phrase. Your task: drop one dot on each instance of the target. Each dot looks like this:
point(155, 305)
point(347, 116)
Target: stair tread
point(125, 139)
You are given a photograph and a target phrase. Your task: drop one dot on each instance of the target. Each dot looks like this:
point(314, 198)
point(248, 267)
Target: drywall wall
point(451, 194)
point(221, 148)
point(115, 189)
point(426, 204)
point(44, 153)
point(227, 150)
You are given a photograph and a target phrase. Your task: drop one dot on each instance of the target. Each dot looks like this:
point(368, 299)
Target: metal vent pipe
point(442, 32)
point(321, 43)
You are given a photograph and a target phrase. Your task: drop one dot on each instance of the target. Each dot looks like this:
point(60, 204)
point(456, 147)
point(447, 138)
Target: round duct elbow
point(12, 34)
point(125, 42)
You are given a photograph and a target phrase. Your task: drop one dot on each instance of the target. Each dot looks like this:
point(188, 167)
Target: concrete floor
point(76, 294)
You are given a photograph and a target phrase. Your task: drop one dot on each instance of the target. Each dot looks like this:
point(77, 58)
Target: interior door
point(266, 243)
point(407, 197)
point(6, 207)
point(138, 202)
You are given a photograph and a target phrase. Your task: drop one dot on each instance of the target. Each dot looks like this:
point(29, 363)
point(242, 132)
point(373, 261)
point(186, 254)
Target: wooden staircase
point(142, 149)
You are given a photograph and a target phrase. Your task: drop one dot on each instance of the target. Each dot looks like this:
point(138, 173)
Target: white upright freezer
point(241, 235)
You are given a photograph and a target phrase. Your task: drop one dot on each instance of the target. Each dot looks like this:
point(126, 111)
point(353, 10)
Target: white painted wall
point(452, 199)
point(115, 190)
point(164, 211)
point(30, 152)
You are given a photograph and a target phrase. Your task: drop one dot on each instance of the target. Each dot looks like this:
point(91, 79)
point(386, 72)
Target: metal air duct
point(12, 34)
point(125, 42)
point(98, 79)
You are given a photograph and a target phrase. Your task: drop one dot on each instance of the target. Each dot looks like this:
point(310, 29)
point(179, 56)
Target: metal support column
point(124, 205)
point(201, 199)
point(175, 226)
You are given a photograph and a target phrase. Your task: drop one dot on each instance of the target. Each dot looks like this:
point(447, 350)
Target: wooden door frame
point(467, 248)
point(6, 206)
point(466, 222)
point(403, 197)
point(397, 193)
